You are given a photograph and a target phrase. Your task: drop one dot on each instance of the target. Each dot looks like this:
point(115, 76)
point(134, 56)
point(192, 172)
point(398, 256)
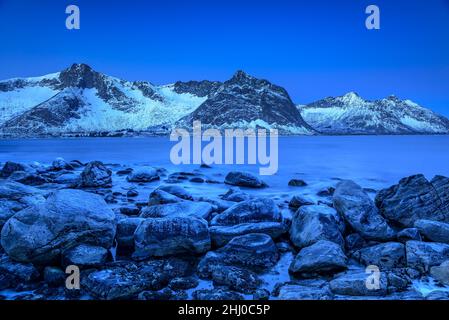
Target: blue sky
point(312, 48)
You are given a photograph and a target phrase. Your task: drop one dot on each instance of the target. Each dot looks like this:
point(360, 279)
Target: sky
point(314, 48)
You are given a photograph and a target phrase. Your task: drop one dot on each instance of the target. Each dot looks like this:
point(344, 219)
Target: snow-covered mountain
point(248, 102)
point(81, 100)
point(351, 114)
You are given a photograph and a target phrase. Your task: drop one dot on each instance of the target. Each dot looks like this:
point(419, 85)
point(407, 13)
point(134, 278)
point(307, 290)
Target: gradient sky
point(312, 48)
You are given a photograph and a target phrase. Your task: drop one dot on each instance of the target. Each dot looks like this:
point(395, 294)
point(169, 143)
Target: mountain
point(248, 102)
point(351, 114)
point(81, 100)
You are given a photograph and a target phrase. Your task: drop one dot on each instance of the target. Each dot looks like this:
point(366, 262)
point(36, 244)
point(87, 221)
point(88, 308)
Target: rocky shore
point(141, 233)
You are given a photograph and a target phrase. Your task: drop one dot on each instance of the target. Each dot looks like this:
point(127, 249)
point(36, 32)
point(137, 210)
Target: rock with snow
point(415, 198)
point(322, 257)
point(244, 179)
point(311, 224)
point(96, 175)
point(66, 219)
point(160, 237)
point(360, 212)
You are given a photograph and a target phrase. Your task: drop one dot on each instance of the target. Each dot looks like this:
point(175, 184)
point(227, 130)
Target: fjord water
point(372, 161)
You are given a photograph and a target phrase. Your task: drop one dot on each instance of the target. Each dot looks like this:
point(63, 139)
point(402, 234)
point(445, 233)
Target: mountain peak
point(352, 98)
point(241, 75)
point(79, 75)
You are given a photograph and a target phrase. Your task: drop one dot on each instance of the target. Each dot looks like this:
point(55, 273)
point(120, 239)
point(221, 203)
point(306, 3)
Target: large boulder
point(177, 191)
point(143, 175)
point(68, 218)
point(385, 256)
point(244, 179)
point(358, 283)
point(424, 255)
point(158, 197)
point(257, 252)
point(323, 257)
point(253, 216)
point(30, 179)
point(10, 167)
point(415, 198)
point(159, 237)
point(311, 224)
point(60, 164)
point(359, 211)
point(19, 272)
point(96, 175)
point(85, 256)
point(433, 230)
point(180, 209)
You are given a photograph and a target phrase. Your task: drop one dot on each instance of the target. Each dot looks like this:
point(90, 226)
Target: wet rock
point(67, 178)
point(299, 201)
point(360, 212)
point(54, 277)
point(441, 273)
point(158, 197)
point(297, 183)
point(183, 283)
point(132, 193)
point(29, 179)
point(221, 235)
point(257, 252)
point(124, 172)
point(177, 191)
point(397, 281)
point(162, 295)
point(60, 164)
point(21, 272)
point(96, 175)
point(386, 256)
point(433, 230)
point(67, 218)
point(130, 211)
point(11, 167)
point(355, 242)
point(180, 209)
point(438, 295)
point(311, 224)
point(159, 237)
point(85, 256)
point(261, 295)
point(216, 295)
point(197, 180)
point(143, 175)
point(423, 255)
point(299, 292)
point(236, 196)
point(220, 205)
point(125, 234)
point(238, 279)
point(326, 192)
point(354, 283)
point(412, 199)
point(323, 257)
point(244, 179)
point(409, 234)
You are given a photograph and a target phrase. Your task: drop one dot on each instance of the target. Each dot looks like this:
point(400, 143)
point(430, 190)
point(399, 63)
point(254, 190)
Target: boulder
point(27, 178)
point(219, 294)
point(433, 230)
point(252, 211)
point(85, 256)
point(441, 273)
point(158, 197)
point(409, 234)
point(54, 277)
point(244, 179)
point(414, 198)
point(143, 175)
point(159, 237)
point(221, 235)
point(385, 256)
point(68, 178)
point(125, 234)
point(424, 255)
point(360, 212)
point(297, 183)
point(21, 272)
point(300, 292)
point(183, 283)
point(257, 252)
point(234, 195)
point(96, 175)
point(311, 224)
point(11, 167)
point(322, 257)
point(235, 278)
point(60, 164)
point(299, 201)
point(180, 209)
point(177, 191)
point(358, 283)
point(66, 219)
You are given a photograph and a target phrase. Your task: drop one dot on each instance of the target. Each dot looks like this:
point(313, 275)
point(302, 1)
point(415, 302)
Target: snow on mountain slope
point(351, 114)
point(103, 104)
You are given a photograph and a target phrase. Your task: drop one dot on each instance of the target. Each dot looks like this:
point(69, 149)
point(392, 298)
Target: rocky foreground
point(137, 233)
